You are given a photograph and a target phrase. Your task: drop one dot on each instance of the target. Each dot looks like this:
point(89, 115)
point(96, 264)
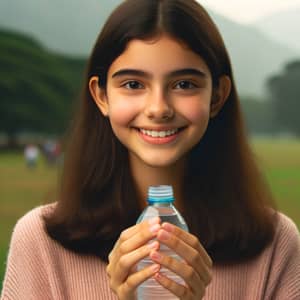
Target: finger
point(129, 232)
point(138, 239)
point(177, 289)
point(148, 231)
point(128, 261)
point(189, 254)
point(191, 277)
point(188, 239)
point(135, 279)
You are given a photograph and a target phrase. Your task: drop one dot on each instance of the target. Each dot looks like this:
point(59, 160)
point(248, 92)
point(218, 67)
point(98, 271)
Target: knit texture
point(39, 268)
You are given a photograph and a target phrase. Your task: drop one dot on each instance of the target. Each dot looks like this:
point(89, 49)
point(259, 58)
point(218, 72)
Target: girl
point(159, 106)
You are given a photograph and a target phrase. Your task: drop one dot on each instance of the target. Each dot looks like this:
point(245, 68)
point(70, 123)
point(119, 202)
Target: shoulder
point(26, 261)
point(34, 217)
point(284, 265)
point(30, 227)
point(287, 235)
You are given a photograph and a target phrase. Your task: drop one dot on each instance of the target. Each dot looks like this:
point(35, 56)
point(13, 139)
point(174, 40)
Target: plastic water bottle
point(160, 204)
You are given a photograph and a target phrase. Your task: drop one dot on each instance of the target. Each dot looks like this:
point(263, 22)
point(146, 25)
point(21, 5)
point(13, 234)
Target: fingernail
point(155, 255)
point(155, 268)
point(153, 245)
point(153, 221)
point(164, 235)
point(167, 226)
point(154, 228)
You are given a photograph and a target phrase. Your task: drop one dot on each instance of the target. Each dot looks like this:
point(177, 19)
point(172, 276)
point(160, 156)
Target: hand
point(194, 269)
point(129, 249)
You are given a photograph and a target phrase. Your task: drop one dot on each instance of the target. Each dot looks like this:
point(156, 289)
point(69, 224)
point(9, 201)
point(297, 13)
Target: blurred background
point(44, 46)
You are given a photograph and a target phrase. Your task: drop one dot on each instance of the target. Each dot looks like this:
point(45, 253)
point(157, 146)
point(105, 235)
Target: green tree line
point(279, 112)
point(284, 90)
point(37, 87)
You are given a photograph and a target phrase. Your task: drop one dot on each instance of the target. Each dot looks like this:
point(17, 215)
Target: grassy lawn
point(22, 189)
point(280, 162)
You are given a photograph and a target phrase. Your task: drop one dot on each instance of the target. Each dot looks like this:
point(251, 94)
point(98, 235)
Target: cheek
point(122, 111)
point(196, 111)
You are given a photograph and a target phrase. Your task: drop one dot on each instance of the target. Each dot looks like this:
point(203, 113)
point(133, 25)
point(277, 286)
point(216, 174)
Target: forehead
point(158, 55)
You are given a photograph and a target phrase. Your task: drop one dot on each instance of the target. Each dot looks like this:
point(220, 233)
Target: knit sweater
point(39, 268)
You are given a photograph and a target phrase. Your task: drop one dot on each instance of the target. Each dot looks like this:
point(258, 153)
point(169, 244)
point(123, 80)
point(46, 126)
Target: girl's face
point(158, 100)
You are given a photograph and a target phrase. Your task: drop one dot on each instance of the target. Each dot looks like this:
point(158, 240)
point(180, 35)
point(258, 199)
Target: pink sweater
point(38, 268)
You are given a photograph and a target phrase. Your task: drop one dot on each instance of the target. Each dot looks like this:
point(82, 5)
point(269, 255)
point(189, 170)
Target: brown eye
point(185, 84)
point(133, 85)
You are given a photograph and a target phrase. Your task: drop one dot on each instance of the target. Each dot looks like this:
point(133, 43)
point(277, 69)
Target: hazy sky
point(245, 11)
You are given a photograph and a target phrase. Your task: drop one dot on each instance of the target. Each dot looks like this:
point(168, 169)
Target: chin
point(160, 162)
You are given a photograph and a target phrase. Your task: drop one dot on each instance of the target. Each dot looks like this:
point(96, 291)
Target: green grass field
point(280, 162)
point(22, 189)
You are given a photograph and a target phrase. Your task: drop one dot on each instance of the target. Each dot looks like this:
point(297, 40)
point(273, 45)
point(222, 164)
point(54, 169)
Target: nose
point(158, 106)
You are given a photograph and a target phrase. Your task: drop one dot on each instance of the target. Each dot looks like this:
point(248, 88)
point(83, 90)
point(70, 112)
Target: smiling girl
point(159, 106)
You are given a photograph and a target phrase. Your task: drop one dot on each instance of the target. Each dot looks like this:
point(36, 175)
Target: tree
point(284, 90)
point(258, 116)
point(37, 87)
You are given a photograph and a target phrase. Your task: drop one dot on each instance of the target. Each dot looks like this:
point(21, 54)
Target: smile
point(160, 134)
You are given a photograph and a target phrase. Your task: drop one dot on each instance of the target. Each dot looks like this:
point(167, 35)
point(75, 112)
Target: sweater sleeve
point(284, 280)
point(25, 277)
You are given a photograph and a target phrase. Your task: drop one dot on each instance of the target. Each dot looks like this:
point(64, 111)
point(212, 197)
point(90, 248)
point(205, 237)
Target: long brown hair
point(228, 205)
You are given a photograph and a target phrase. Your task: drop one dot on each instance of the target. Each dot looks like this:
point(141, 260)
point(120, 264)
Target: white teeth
point(161, 134)
point(154, 133)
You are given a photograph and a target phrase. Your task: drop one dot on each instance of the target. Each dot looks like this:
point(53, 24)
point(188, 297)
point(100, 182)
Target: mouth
point(160, 136)
point(159, 133)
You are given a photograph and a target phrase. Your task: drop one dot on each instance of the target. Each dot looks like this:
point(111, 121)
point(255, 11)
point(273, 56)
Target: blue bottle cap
point(161, 193)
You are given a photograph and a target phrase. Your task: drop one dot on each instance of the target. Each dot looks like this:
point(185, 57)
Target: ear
point(98, 95)
point(220, 95)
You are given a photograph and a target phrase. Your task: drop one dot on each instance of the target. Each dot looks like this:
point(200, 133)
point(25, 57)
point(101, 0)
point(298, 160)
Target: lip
point(160, 140)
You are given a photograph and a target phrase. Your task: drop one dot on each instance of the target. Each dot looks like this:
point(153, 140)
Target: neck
point(145, 176)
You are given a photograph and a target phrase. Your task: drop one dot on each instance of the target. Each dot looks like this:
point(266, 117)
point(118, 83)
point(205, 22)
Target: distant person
point(159, 107)
point(52, 152)
point(57, 153)
point(31, 155)
point(49, 151)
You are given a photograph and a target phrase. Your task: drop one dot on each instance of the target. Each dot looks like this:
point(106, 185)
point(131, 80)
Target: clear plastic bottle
point(160, 203)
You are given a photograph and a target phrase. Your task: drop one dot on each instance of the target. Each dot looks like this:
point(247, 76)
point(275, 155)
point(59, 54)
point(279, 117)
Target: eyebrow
point(175, 73)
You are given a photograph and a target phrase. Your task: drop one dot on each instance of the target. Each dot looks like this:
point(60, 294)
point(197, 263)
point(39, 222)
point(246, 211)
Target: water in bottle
point(160, 204)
